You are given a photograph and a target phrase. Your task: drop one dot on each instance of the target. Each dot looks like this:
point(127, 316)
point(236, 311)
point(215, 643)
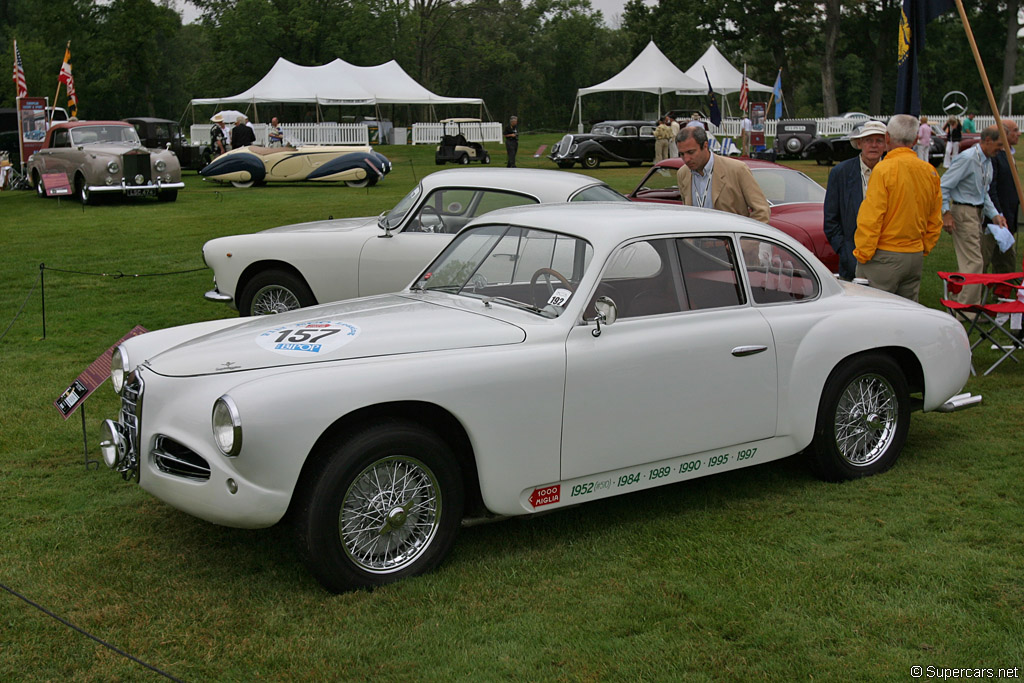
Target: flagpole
point(991, 99)
point(57, 94)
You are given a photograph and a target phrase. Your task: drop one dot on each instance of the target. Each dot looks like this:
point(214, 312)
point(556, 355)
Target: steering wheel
point(441, 227)
point(551, 290)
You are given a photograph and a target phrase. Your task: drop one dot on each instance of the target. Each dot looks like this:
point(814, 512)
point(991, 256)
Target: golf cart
point(454, 146)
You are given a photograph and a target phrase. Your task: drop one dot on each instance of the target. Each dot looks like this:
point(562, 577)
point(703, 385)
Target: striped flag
point(777, 94)
point(19, 73)
point(744, 91)
point(67, 79)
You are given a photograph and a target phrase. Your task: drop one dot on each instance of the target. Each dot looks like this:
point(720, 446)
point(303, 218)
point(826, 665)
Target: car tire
point(464, 159)
point(590, 161)
point(634, 164)
point(365, 182)
point(566, 164)
point(486, 159)
point(167, 195)
point(274, 291)
point(82, 191)
point(863, 419)
point(37, 180)
point(243, 184)
point(384, 504)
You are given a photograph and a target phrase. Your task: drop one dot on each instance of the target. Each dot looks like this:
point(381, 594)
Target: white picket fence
point(430, 133)
point(327, 133)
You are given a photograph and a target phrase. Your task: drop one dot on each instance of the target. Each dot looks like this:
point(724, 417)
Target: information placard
point(91, 378)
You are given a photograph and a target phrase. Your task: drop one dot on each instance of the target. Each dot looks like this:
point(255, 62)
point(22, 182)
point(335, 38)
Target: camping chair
point(986, 317)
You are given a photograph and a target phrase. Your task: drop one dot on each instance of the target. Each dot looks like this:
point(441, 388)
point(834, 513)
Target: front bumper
point(214, 295)
point(125, 187)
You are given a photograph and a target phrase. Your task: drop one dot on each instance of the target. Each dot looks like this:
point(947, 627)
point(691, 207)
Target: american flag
point(19, 73)
point(67, 79)
point(744, 90)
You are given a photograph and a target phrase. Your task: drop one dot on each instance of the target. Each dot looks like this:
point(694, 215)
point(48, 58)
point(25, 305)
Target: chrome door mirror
point(607, 313)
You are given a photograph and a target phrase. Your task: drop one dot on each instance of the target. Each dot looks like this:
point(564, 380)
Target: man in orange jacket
point(900, 219)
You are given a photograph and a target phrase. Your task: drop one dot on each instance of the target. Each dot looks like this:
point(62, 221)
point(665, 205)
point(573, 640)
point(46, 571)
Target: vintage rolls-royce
point(105, 157)
point(549, 356)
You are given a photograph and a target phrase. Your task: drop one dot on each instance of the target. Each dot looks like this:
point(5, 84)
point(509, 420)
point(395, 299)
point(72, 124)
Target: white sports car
point(292, 266)
point(549, 356)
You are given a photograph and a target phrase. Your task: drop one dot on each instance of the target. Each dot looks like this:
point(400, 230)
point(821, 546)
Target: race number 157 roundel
point(309, 338)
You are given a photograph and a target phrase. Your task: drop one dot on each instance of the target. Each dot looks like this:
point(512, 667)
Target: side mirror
point(607, 313)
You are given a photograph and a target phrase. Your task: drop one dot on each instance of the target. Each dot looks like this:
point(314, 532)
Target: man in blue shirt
point(965, 203)
point(1003, 193)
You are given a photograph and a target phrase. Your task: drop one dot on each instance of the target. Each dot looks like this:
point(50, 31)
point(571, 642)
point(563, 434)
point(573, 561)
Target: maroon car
point(797, 201)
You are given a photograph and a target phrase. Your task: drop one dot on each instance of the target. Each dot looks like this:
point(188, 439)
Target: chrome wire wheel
point(273, 299)
point(866, 419)
point(390, 514)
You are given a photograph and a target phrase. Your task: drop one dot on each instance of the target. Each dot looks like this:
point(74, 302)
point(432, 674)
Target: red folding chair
point(985, 317)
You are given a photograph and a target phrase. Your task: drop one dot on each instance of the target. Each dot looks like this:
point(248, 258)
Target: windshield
point(535, 270)
point(598, 193)
point(395, 216)
point(786, 186)
point(87, 135)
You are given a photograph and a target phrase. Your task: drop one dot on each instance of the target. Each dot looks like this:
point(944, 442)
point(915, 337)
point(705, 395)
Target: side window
point(642, 280)
point(646, 131)
point(627, 131)
point(709, 272)
point(60, 139)
point(776, 274)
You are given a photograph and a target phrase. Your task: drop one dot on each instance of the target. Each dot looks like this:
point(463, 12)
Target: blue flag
point(915, 16)
point(777, 94)
point(714, 113)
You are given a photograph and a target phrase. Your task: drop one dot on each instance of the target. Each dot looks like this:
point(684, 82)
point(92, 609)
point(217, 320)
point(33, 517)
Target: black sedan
point(630, 142)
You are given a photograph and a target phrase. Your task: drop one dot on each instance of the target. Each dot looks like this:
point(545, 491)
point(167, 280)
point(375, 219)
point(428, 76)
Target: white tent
point(651, 72)
point(338, 83)
point(1011, 91)
point(725, 78)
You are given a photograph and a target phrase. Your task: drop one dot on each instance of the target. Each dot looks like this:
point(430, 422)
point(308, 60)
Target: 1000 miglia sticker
point(309, 338)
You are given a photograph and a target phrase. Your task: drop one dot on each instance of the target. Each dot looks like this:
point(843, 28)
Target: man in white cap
point(218, 136)
point(847, 185)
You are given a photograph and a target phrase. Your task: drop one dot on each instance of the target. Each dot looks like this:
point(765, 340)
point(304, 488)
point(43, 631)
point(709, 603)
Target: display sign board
point(32, 124)
point(757, 116)
point(90, 379)
point(56, 184)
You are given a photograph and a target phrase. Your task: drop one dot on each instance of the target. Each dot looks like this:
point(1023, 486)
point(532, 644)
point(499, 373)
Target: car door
point(689, 366)
point(387, 264)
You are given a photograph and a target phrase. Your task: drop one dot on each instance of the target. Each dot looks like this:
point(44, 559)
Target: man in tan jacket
point(716, 182)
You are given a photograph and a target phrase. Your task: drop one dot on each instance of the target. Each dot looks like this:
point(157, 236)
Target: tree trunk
point(1010, 55)
point(828, 66)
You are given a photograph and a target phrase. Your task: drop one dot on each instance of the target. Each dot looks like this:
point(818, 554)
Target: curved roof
point(338, 82)
point(651, 72)
point(725, 78)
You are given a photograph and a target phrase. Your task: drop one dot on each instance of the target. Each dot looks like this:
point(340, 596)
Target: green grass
point(761, 573)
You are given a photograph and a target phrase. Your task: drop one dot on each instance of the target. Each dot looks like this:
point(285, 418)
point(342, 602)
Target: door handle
point(741, 351)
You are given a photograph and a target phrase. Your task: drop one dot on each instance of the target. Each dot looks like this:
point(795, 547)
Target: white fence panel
point(430, 133)
point(298, 133)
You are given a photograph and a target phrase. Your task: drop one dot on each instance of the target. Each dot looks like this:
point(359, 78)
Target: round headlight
point(139, 179)
point(227, 426)
point(112, 167)
point(161, 165)
point(118, 368)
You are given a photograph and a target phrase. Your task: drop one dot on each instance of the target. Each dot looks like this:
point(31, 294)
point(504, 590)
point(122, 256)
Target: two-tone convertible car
point(549, 356)
point(356, 166)
point(797, 202)
point(105, 157)
point(284, 268)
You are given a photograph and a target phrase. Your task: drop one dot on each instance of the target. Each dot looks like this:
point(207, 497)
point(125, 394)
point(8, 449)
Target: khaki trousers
point(967, 245)
point(1001, 261)
point(894, 271)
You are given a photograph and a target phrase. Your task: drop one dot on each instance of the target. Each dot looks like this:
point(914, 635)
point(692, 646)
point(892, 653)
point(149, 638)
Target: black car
point(630, 142)
point(166, 134)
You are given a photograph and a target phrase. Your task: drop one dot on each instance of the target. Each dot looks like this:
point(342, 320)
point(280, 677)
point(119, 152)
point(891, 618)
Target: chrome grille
point(136, 166)
point(131, 419)
point(174, 458)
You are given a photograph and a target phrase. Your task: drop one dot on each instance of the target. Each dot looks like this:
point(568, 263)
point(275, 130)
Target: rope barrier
point(88, 635)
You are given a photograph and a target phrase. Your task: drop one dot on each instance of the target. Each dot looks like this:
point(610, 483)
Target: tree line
point(137, 58)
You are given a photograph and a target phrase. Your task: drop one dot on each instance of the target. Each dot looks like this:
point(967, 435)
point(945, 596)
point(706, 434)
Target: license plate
point(141, 192)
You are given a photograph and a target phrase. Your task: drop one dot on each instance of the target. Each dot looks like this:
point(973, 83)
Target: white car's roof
point(607, 224)
point(546, 185)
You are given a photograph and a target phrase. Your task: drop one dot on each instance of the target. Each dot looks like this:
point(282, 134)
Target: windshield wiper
point(516, 304)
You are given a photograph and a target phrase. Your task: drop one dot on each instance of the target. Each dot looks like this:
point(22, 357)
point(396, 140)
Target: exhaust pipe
point(959, 402)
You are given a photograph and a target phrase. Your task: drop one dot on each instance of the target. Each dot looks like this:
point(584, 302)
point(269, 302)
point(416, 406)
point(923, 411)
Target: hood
point(799, 215)
point(384, 325)
point(333, 225)
point(114, 149)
